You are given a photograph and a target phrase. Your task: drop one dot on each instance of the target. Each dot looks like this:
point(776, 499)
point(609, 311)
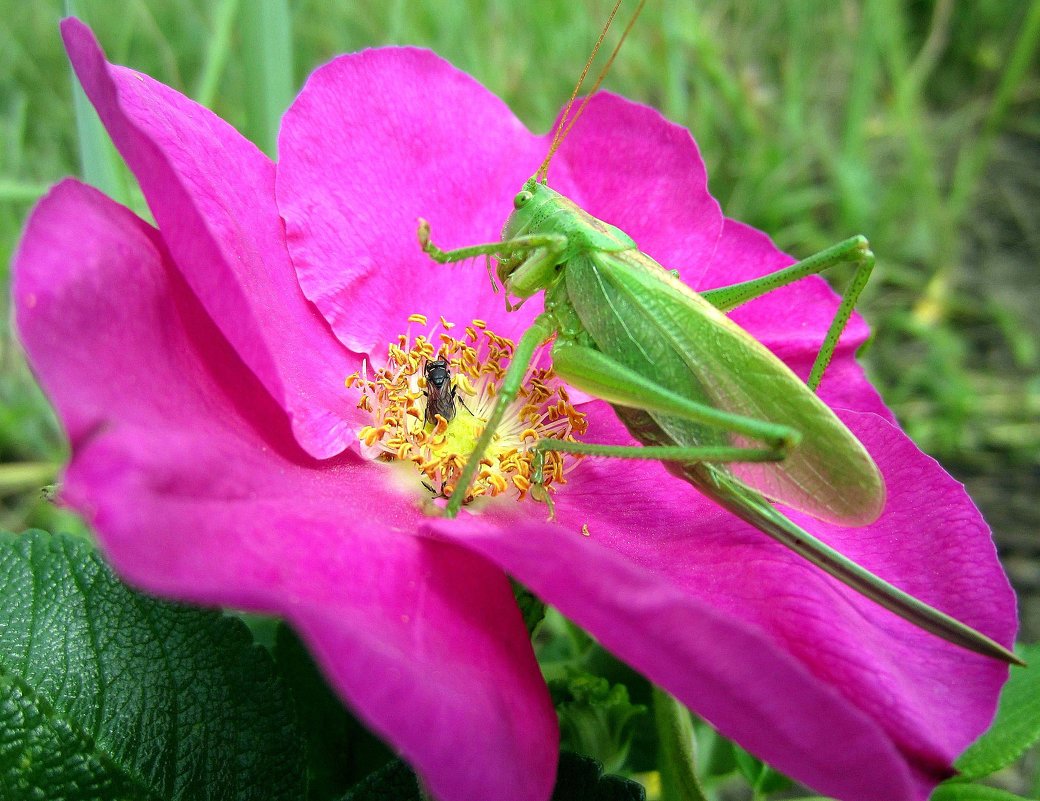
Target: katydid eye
point(521, 199)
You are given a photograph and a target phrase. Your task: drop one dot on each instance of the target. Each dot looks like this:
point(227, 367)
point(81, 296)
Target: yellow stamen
point(395, 396)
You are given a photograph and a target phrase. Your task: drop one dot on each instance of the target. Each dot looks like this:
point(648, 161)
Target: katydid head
point(537, 263)
point(532, 206)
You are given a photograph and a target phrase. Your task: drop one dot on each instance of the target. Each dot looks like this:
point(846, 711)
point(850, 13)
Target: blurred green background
point(916, 123)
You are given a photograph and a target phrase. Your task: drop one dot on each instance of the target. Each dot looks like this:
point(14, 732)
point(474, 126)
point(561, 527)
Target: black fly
point(441, 395)
point(440, 392)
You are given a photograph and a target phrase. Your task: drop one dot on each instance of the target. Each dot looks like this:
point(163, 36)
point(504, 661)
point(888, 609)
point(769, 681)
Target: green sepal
point(716, 756)
point(107, 694)
point(595, 716)
point(762, 778)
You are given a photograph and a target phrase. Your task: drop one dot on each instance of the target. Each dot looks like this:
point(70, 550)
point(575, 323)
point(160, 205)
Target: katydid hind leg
point(579, 365)
point(597, 373)
point(852, 251)
point(756, 510)
point(593, 371)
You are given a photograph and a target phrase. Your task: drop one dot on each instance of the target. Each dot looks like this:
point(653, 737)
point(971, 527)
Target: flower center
point(433, 420)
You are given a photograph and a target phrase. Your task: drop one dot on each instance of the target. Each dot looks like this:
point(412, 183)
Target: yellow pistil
point(394, 394)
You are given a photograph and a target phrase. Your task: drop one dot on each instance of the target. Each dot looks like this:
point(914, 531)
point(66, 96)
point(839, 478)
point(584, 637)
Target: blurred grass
point(916, 123)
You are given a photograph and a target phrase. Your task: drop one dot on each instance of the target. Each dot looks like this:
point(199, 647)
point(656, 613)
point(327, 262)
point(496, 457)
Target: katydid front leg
point(541, 330)
point(527, 253)
point(536, 249)
point(852, 251)
point(553, 244)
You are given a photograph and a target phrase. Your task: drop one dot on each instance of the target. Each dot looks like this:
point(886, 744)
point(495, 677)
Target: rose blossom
point(199, 369)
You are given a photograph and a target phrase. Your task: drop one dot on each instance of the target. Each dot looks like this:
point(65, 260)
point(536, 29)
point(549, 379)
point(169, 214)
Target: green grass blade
point(267, 45)
point(14, 191)
point(973, 161)
point(99, 162)
point(217, 52)
point(18, 477)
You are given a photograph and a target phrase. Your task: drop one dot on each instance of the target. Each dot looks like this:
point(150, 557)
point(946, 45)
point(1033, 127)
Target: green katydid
point(702, 395)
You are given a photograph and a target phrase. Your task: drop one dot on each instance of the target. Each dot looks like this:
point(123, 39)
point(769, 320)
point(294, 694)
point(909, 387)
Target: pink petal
point(212, 194)
point(189, 473)
point(374, 141)
point(827, 686)
point(363, 154)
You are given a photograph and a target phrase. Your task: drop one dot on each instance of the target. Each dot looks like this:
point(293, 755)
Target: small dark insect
point(440, 393)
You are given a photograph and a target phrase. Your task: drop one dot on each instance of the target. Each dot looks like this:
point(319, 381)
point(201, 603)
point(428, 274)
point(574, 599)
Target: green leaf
point(266, 27)
point(107, 694)
point(578, 778)
point(964, 791)
point(340, 750)
point(393, 782)
point(1017, 724)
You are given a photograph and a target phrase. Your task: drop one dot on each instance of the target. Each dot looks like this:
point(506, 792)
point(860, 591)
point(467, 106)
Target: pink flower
point(215, 452)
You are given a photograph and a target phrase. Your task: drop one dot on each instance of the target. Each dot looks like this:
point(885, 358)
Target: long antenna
point(544, 168)
point(565, 124)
